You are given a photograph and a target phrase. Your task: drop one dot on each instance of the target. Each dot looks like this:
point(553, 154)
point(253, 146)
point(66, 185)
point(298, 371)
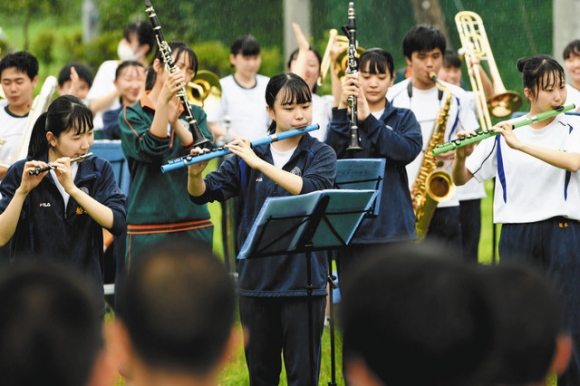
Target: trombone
point(204, 88)
point(341, 62)
point(475, 45)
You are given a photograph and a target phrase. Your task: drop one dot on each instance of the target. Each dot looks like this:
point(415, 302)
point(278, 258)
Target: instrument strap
point(410, 91)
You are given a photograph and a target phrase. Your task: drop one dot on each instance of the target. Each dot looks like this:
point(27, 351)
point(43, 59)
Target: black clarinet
point(352, 68)
point(198, 137)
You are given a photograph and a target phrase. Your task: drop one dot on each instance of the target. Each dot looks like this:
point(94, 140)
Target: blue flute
point(220, 152)
point(518, 122)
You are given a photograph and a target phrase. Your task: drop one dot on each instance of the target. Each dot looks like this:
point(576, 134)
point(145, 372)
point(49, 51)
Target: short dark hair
point(294, 55)
point(530, 316)
point(573, 48)
point(451, 59)
point(125, 64)
point(422, 38)
point(416, 317)
point(379, 61)
point(178, 48)
point(144, 32)
point(50, 327)
point(534, 68)
point(294, 88)
point(247, 45)
point(23, 61)
point(82, 70)
point(177, 303)
point(65, 113)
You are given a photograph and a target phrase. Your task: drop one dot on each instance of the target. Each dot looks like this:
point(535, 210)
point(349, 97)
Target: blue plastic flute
point(220, 152)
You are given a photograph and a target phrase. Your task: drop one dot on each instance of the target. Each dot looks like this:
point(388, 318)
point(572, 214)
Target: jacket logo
point(80, 210)
point(296, 171)
point(45, 204)
point(258, 179)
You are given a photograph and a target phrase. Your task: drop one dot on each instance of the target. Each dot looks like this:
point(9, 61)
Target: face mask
point(125, 52)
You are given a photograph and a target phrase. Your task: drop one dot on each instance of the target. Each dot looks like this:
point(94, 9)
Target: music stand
point(302, 224)
point(356, 173)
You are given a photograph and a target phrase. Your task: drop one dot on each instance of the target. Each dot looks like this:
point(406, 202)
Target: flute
point(220, 152)
point(518, 122)
point(37, 171)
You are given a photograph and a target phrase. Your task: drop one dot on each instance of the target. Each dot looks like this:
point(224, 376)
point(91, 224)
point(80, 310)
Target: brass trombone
point(341, 62)
point(205, 87)
point(475, 44)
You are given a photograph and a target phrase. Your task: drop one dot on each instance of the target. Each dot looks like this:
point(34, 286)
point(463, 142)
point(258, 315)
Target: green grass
point(486, 245)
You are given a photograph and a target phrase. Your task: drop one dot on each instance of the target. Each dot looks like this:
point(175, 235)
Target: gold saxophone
point(433, 185)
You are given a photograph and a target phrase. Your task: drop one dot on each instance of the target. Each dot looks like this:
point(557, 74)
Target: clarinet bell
point(354, 144)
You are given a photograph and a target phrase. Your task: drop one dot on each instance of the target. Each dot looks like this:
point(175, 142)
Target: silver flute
point(37, 171)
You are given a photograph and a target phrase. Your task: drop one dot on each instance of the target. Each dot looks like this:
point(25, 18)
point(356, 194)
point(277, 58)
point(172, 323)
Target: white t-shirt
point(102, 86)
point(473, 190)
point(573, 96)
point(528, 189)
point(245, 108)
point(11, 129)
point(321, 114)
point(426, 106)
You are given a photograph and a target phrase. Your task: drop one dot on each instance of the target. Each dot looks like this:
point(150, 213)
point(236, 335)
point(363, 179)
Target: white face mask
point(125, 52)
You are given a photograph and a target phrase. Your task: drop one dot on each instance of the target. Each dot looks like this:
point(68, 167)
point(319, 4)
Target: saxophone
point(433, 185)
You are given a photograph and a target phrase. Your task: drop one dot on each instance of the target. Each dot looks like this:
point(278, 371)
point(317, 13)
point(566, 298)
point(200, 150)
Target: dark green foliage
point(515, 29)
point(43, 45)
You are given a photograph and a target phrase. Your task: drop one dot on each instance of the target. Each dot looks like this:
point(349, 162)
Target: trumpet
point(37, 171)
point(475, 44)
point(204, 88)
point(480, 136)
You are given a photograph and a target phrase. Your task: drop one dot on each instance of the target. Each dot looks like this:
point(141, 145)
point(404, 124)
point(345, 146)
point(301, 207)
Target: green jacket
point(158, 202)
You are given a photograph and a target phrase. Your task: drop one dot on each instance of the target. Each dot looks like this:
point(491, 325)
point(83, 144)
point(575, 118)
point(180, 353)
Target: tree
point(28, 9)
point(429, 12)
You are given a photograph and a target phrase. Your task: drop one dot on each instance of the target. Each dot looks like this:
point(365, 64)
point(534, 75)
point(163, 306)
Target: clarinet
point(198, 137)
point(352, 68)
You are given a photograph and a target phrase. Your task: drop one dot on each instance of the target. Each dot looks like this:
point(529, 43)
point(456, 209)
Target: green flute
point(518, 122)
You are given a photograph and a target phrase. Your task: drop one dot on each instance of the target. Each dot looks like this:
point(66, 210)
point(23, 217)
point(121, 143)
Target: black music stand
point(357, 173)
point(316, 221)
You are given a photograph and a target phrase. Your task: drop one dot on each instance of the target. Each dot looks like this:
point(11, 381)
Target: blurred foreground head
point(414, 315)
point(50, 330)
point(177, 311)
point(532, 340)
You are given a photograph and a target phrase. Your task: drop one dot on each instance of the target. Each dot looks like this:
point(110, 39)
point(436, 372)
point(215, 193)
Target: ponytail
point(38, 144)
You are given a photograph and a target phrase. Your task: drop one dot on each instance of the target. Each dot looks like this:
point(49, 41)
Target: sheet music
point(280, 225)
point(362, 174)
